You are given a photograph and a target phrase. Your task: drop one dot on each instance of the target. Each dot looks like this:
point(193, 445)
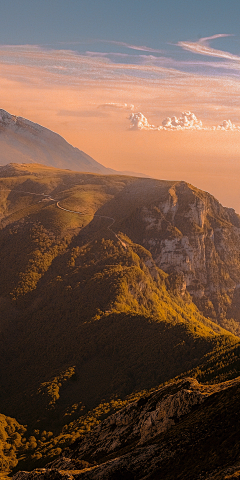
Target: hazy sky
point(82, 68)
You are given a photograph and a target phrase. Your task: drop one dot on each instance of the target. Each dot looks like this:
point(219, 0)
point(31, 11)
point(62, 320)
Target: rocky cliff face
point(177, 431)
point(189, 233)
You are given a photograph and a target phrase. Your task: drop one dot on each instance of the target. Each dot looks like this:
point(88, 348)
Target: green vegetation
point(12, 443)
point(51, 389)
point(220, 365)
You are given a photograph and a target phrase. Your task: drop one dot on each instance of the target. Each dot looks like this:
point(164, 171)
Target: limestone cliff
point(189, 233)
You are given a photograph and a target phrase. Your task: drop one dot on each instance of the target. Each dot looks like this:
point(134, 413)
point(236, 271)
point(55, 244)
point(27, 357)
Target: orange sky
point(76, 108)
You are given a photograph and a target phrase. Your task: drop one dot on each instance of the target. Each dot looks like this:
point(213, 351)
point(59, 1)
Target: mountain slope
point(24, 141)
point(183, 430)
point(88, 320)
point(88, 316)
point(85, 311)
point(189, 234)
point(38, 447)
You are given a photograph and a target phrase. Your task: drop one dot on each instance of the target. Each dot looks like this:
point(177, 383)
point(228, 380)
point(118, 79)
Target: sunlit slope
point(22, 187)
point(187, 231)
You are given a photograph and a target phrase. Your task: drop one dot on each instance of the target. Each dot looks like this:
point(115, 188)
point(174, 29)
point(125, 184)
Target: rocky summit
point(184, 430)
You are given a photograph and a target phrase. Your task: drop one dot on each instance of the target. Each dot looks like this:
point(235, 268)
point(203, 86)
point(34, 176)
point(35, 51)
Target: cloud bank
point(79, 84)
point(187, 121)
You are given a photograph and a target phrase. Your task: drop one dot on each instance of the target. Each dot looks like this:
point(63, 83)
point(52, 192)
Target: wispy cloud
point(72, 68)
point(82, 113)
point(218, 35)
point(141, 48)
point(117, 105)
point(158, 85)
point(202, 47)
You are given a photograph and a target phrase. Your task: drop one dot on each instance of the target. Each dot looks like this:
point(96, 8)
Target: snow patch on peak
point(7, 118)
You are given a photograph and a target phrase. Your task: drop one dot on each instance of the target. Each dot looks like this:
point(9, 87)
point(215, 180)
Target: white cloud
point(227, 125)
point(187, 121)
point(139, 122)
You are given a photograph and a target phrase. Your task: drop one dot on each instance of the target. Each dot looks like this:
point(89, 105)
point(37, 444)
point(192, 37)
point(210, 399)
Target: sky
point(150, 87)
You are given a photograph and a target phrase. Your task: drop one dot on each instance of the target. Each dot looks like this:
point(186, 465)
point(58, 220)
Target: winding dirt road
point(49, 198)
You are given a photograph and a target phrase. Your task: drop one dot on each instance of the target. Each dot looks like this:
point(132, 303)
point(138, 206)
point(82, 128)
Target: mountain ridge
point(29, 142)
point(187, 231)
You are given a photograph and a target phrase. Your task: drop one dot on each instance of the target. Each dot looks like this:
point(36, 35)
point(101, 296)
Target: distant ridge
point(23, 141)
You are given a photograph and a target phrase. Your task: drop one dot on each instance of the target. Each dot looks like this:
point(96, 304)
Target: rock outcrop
point(178, 431)
point(190, 234)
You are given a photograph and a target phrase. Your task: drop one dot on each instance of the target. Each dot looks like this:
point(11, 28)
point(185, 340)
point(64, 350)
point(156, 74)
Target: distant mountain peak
point(6, 118)
point(16, 122)
point(23, 141)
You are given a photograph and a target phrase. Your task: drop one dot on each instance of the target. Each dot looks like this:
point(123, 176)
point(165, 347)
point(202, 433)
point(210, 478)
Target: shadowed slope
point(183, 430)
